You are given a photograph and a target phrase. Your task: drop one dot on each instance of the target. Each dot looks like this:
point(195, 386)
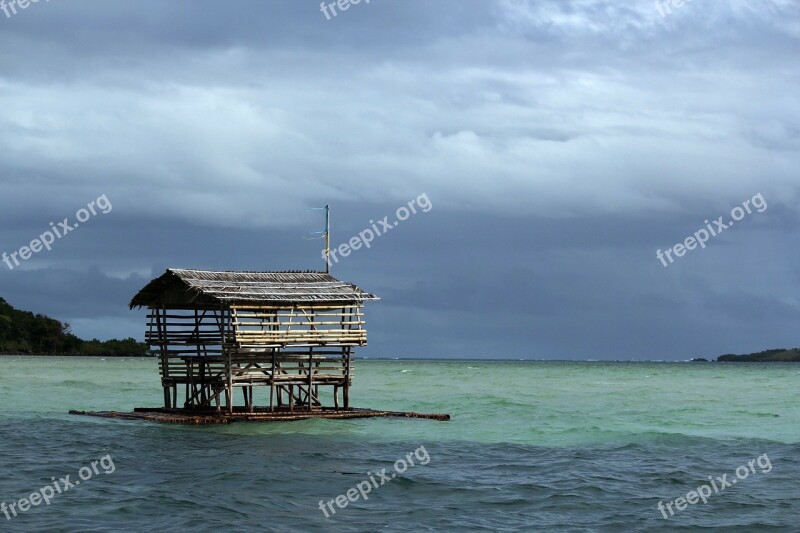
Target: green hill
point(23, 333)
point(778, 355)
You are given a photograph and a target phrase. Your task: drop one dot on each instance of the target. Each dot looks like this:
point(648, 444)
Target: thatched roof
point(179, 287)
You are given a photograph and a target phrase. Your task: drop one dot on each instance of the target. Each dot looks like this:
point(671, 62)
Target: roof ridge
point(251, 271)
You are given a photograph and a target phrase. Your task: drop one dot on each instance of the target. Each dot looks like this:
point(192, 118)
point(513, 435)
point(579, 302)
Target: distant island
point(778, 355)
point(23, 333)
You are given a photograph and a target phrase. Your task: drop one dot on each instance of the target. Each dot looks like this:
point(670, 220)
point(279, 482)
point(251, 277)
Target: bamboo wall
point(206, 354)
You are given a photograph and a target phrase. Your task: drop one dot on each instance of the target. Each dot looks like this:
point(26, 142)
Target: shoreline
point(77, 355)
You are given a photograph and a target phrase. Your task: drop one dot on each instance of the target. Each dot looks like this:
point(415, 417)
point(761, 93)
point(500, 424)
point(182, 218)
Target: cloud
point(561, 143)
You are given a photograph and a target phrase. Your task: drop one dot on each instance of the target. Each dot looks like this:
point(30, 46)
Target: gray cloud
point(561, 144)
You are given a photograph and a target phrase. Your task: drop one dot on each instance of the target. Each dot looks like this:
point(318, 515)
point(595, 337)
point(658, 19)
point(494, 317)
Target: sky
point(559, 148)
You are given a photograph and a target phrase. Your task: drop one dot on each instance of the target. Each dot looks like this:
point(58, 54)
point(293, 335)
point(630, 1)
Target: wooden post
point(310, 377)
point(202, 365)
point(347, 380)
point(228, 349)
point(163, 350)
point(272, 384)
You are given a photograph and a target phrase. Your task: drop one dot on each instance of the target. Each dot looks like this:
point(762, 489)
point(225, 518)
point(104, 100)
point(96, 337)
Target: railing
point(312, 325)
point(288, 368)
point(203, 332)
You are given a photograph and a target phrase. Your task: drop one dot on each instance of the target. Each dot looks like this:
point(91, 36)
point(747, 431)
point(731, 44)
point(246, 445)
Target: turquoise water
point(532, 446)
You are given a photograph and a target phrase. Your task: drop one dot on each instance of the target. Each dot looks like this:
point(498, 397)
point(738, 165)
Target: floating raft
point(175, 416)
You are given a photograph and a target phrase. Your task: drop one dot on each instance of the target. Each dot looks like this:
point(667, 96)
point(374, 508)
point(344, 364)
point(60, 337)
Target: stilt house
point(286, 334)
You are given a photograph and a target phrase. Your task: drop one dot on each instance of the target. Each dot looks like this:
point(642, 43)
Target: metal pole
point(327, 240)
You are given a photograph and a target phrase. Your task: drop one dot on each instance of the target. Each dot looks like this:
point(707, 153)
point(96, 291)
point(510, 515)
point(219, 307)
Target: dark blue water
point(172, 478)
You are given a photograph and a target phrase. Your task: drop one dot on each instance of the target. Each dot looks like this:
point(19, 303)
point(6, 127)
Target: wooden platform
point(177, 416)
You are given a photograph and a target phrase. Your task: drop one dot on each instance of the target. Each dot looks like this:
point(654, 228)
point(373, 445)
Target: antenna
point(326, 234)
point(327, 239)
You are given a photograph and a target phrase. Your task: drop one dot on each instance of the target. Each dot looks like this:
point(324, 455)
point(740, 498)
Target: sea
point(531, 446)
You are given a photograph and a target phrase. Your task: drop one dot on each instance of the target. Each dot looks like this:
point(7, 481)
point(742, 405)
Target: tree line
point(25, 333)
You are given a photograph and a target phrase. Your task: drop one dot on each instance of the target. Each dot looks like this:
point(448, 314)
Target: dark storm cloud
point(561, 144)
